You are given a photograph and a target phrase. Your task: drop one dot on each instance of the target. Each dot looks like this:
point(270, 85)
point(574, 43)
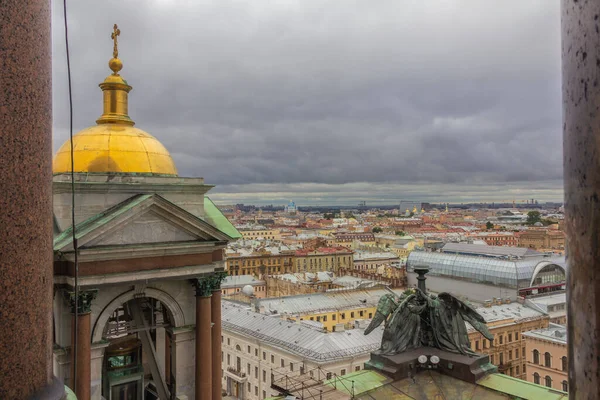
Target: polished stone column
point(215, 305)
point(203, 367)
point(82, 384)
point(581, 135)
point(26, 201)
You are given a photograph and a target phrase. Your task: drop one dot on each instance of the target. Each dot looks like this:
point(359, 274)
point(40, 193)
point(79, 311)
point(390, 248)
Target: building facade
point(323, 259)
point(547, 362)
point(508, 322)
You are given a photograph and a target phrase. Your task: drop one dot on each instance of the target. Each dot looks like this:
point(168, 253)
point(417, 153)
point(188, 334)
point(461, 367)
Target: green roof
point(521, 389)
point(215, 217)
point(360, 381)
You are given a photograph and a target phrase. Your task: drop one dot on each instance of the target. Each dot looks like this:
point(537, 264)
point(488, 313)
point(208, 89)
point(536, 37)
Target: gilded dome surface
point(115, 148)
point(114, 145)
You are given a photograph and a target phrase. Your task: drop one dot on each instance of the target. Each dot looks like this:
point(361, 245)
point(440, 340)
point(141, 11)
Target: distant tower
point(446, 207)
point(291, 208)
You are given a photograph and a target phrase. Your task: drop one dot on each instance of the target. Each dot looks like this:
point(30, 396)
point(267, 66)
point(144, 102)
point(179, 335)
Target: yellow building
point(323, 259)
point(333, 310)
point(507, 322)
point(541, 239)
point(259, 263)
point(547, 362)
point(260, 233)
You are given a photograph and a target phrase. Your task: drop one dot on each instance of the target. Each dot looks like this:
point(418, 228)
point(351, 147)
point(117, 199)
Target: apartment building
point(508, 322)
point(259, 350)
point(547, 362)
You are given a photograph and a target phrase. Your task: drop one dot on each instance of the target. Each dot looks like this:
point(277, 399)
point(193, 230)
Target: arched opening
point(548, 381)
point(565, 365)
point(536, 378)
point(546, 273)
point(565, 386)
point(137, 362)
point(547, 360)
point(536, 356)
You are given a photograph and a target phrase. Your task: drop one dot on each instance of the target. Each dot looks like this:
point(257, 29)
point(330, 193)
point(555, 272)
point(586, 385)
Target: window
point(548, 381)
point(333, 317)
point(228, 342)
point(517, 353)
point(249, 386)
point(357, 368)
point(491, 358)
point(565, 386)
point(324, 318)
point(536, 357)
point(264, 394)
point(343, 316)
point(328, 375)
point(248, 370)
point(509, 337)
point(255, 352)
point(256, 390)
point(264, 375)
point(343, 372)
point(361, 313)
point(256, 372)
point(501, 358)
point(272, 359)
point(352, 314)
point(228, 359)
point(536, 378)
point(517, 369)
point(370, 315)
point(565, 365)
point(249, 351)
point(516, 335)
point(547, 360)
point(291, 366)
point(500, 338)
point(264, 355)
point(477, 345)
point(282, 363)
point(510, 354)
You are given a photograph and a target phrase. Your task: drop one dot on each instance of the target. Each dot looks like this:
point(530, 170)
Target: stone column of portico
point(82, 384)
point(203, 367)
point(581, 138)
point(215, 305)
point(26, 201)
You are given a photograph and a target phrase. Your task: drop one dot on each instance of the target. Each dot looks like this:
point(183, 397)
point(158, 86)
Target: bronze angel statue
point(419, 319)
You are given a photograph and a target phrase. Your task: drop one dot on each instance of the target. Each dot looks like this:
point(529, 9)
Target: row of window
point(548, 360)
point(548, 381)
point(323, 318)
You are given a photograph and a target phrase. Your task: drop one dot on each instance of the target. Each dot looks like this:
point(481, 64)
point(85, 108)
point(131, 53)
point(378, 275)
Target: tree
point(489, 225)
point(533, 217)
point(400, 233)
point(377, 230)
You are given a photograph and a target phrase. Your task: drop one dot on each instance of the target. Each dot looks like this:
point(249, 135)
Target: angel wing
point(467, 313)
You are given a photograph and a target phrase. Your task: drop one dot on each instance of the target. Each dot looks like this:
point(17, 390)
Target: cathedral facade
point(137, 307)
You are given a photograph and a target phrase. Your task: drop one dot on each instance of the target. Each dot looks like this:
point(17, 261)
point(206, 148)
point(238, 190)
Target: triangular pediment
point(140, 220)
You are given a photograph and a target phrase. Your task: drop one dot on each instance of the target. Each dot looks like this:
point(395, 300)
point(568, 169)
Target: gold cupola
point(114, 145)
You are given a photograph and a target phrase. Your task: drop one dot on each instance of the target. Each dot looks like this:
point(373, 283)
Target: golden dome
point(114, 148)
point(114, 145)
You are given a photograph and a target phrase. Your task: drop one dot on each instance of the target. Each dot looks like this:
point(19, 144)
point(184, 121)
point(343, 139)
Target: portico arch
point(165, 298)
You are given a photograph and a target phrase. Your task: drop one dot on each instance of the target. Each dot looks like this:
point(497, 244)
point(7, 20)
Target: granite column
point(215, 304)
point(203, 366)
point(580, 22)
point(82, 340)
point(26, 201)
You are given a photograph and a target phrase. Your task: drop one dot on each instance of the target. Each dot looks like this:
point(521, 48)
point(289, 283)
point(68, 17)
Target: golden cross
point(113, 36)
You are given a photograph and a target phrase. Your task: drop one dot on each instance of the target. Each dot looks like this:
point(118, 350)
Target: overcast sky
point(332, 101)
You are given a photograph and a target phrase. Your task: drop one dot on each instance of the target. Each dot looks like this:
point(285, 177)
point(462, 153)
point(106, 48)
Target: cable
point(76, 322)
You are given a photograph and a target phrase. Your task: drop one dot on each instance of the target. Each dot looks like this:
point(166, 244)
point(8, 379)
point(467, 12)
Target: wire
point(76, 322)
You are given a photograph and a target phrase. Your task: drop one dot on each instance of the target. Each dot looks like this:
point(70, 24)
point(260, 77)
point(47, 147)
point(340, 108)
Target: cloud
point(286, 93)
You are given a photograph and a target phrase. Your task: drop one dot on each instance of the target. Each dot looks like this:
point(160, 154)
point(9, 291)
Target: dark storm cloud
point(395, 92)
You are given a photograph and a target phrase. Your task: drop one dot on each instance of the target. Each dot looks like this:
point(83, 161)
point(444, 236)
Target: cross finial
point(116, 32)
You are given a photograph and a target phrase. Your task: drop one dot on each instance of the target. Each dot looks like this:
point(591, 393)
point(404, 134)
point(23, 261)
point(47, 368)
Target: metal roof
point(511, 273)
point(308, 343)
point(322, 302)
point(489, 251)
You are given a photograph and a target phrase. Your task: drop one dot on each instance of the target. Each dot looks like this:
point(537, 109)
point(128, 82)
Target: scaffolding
point(316, 383)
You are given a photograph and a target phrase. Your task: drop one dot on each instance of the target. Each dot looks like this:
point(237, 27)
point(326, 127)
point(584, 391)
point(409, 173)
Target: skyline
point(327, 105)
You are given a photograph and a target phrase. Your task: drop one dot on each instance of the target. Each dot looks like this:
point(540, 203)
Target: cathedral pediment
point(140, 220)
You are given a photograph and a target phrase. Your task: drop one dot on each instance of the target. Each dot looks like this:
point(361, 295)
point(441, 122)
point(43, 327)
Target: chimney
point(487, 304)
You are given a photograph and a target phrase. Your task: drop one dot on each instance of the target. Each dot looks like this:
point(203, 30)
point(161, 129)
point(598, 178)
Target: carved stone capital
point(84, 302)
point(207, 284)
